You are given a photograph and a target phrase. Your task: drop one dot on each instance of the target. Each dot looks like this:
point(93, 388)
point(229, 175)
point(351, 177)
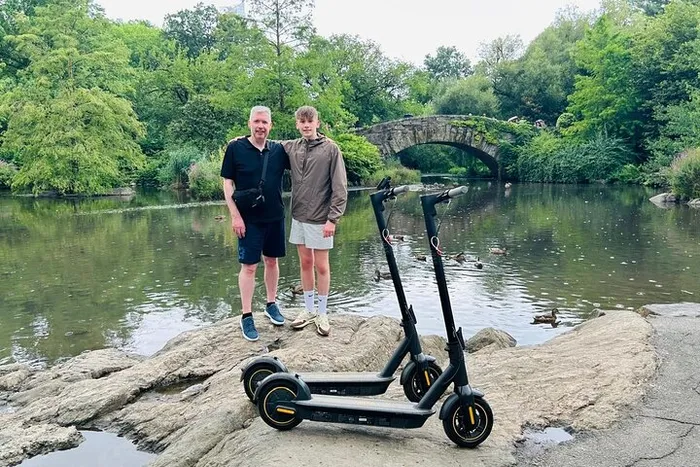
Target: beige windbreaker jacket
point(319, 182)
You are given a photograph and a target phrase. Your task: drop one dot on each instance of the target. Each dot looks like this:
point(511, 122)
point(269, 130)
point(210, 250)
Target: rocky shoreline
point(186, 402)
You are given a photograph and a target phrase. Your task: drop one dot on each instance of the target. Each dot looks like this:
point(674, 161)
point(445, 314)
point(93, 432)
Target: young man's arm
point(339, 192)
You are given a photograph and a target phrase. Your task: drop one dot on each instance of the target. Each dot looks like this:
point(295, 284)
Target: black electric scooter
point(418, 374)
point(284, 400)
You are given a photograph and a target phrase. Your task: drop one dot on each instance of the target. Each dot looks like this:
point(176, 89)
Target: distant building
point(238, 8)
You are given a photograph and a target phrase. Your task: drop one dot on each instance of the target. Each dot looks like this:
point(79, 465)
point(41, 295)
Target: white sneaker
point(303, 319)
point(323, 327)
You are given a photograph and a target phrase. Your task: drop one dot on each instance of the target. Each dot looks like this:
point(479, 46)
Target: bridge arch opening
point(440, 157)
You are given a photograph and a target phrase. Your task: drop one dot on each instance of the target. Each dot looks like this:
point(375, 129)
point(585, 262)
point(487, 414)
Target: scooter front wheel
point(419, 381)
point(271, 397)
point(465, 431)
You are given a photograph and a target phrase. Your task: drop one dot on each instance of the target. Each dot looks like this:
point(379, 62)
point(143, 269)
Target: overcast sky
point(406, 29)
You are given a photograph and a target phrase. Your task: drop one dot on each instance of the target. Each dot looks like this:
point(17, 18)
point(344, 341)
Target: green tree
point(66, 122)
point(537, 85)
point(470, 96)
point(605, 98)
point(11, 11)
point(193, 30)
point(287, 25)
point(499, 50)
point(376, 86)
point(448, 63)
point(650, 7)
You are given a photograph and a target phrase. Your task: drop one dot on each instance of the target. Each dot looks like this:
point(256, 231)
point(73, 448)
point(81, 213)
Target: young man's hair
point(306, 113)
point(260, 109)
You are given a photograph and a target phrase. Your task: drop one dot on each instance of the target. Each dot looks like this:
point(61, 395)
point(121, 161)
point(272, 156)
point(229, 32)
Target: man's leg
point(246, 284)
point(272, 277)
point(274, 247)
point(249, 250)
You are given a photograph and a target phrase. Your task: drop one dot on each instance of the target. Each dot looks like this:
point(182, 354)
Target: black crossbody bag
point(252, 198)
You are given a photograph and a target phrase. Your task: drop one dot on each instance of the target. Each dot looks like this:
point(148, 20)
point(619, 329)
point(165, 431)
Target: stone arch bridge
point(484, 138)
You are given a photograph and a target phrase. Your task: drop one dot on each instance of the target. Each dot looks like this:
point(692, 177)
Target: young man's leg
point(274, 247)
point(249, 250)
point(306, 271)
point(323, 274)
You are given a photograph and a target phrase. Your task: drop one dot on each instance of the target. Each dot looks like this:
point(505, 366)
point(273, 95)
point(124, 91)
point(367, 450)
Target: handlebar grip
point(399, 189)
point(454, 192)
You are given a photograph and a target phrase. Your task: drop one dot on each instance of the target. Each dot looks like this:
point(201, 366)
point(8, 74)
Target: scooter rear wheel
point(461, 431)
point(272, 395)
point(254, 376)
point(419, 381)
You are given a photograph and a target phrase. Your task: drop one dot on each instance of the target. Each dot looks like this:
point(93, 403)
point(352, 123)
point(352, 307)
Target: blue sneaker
point(272, 311)
point(248, 328)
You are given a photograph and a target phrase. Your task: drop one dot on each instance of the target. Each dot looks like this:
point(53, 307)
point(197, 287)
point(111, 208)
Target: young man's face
point(307, 127)
point(260, 125)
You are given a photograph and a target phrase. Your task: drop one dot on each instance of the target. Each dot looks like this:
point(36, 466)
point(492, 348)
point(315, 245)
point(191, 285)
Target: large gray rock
point(586, 378)
point(490, 338)
point(664, 199)
point(694, 203)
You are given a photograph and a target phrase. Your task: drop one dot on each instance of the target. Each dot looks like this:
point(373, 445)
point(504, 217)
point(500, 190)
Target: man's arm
point(236, 220)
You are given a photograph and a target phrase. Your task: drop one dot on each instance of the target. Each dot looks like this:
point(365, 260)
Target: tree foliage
point(448, 63)
point(470, 96)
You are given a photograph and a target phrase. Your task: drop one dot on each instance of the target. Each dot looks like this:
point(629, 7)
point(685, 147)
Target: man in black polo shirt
point(260, 230)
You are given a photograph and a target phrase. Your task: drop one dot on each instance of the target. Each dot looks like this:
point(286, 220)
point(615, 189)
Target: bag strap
point(261, 184)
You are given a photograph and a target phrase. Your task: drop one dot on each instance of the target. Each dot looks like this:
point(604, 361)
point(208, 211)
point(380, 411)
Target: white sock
point(309, 300)
point(322, 303)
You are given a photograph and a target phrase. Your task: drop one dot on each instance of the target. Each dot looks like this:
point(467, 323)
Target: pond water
point(97, 449)
point(84, 274)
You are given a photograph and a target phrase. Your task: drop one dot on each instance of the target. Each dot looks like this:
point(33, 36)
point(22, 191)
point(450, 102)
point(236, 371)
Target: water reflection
point(82, 274)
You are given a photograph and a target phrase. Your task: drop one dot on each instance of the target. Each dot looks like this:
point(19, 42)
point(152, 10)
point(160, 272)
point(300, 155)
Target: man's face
point(260, 125)
point(307, 127)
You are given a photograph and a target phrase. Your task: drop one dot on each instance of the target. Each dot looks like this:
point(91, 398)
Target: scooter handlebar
point(453, 193)
point(399, 189)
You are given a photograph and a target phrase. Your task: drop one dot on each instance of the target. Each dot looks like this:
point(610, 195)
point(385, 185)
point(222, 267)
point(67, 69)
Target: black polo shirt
point(243, 164)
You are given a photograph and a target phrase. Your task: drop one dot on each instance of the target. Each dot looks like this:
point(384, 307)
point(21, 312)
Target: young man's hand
point(236, 139)
point(238, 227)
point(328, 229)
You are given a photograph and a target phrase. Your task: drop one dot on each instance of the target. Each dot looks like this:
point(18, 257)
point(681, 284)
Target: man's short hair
point(260, 109)
point(306, 112)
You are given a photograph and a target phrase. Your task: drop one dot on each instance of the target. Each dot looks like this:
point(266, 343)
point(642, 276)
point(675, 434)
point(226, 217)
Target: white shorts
point(309, 235)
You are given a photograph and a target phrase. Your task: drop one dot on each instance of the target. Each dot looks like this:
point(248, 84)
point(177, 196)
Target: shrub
point(399, 174)
point(7, 173)
point(459, 171)
point(205, 179)
point(549, 158)
point(361, 157)
point(565, 120)
point(149, 174)
point(629, 173)
point(173, 173)
point(685, 175)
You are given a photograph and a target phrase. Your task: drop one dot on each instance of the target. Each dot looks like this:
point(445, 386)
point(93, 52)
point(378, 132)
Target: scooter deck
point(359, 411)
point(348, 383)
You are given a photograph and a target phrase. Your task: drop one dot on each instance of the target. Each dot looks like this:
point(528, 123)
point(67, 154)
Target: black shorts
point(267, 238)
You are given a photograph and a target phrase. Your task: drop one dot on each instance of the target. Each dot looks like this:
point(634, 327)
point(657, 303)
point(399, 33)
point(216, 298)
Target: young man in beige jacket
point(319, 197)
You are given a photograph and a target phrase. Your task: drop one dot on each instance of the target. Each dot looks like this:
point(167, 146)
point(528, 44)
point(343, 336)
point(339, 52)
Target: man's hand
point(238, 227)
point(236, 139)
point(328, 229)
